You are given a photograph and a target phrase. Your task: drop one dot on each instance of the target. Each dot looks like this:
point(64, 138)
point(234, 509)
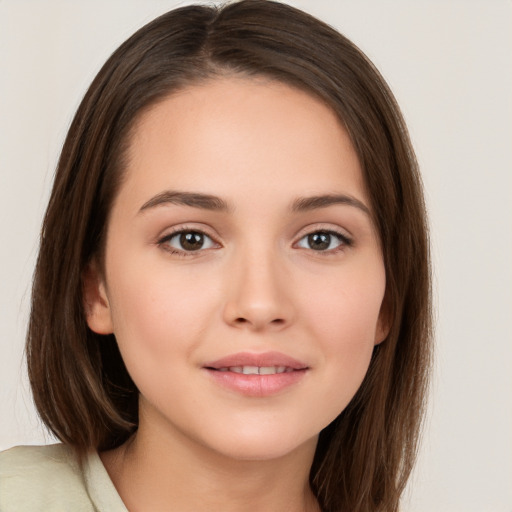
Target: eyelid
point(186, 228)
point(346, 239)
point(327, 227)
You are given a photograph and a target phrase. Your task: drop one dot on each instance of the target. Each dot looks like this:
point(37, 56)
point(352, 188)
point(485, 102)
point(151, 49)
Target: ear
point(383, 323)
point(95, 299)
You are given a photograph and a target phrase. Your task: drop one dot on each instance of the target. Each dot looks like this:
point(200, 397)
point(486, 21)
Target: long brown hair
point(80, 385)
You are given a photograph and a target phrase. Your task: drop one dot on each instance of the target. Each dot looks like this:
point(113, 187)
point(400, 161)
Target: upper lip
point(264, 359)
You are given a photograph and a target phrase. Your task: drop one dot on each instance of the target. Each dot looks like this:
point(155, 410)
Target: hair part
point(80, 385)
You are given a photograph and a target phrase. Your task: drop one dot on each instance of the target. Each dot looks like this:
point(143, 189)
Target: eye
point(188, 241)
point(323, 241)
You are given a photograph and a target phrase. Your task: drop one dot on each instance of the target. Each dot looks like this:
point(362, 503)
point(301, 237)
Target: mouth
point(251, 363)
point(255, 370)
point(257, 374)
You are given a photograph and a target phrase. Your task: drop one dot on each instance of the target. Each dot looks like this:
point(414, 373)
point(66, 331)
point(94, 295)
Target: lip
point(255, 359)
point(256, 385)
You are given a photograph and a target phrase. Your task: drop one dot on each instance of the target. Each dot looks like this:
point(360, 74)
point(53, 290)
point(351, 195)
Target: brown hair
point(81, 387)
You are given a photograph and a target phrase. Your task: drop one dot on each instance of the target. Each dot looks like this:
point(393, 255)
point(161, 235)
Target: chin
point(260, 446)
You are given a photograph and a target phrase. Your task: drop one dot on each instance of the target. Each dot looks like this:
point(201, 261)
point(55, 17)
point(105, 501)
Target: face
point(243, 275)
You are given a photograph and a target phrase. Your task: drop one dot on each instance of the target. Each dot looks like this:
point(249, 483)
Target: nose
point(258, 296)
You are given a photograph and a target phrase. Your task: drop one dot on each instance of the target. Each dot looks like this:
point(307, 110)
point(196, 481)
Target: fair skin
point(281, 273)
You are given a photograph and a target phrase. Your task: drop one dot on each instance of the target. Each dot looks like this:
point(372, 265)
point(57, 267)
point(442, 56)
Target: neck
point(169, 473)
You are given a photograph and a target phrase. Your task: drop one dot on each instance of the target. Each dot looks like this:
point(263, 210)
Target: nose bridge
point(257, 298)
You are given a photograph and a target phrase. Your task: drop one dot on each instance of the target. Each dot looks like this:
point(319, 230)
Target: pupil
point(191, 241)
point(319, 241)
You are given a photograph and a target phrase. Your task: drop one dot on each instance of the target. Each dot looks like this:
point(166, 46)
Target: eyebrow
point(214, 203)
point(314, 202)
point(196, 200)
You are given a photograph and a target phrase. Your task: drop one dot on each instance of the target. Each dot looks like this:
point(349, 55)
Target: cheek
point(346, 307)
point(157, 313)
point(343, 318)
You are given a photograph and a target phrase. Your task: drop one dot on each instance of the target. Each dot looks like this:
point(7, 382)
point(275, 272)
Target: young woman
point(231, 305)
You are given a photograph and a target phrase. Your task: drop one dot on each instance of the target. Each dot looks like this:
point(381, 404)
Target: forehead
point(236, 133)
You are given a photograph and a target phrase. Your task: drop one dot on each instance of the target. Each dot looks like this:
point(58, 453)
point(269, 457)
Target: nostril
point(241, 320)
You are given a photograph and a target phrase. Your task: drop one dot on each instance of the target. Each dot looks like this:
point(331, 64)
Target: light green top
point(48, 479)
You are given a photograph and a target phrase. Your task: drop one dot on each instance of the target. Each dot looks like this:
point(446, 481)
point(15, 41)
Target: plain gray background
point(448, 63)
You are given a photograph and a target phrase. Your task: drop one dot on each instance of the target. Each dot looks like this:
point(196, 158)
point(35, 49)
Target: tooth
point(257, 370)
point(250, 370)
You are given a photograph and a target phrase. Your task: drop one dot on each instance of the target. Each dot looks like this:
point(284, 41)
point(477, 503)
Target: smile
point(257, 370)
point(256, 375)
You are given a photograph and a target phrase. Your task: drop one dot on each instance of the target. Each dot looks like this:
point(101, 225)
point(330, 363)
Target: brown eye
point(191, 241)
point(319, 241)
point(323, 241)
point(188, 241)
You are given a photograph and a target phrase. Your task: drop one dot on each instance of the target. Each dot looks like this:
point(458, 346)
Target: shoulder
point(38, 478)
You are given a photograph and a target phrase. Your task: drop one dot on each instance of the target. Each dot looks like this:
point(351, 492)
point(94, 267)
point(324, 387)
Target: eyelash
point(164, 242)
point(344, 241)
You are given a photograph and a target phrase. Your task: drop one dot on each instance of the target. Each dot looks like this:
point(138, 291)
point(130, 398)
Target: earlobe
point(95, 301)
point(381, 333)
point(383, 325)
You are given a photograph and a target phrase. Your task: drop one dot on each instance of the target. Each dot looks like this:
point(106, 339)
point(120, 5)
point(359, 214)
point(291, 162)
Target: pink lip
point(252, 359)
point(256, 385)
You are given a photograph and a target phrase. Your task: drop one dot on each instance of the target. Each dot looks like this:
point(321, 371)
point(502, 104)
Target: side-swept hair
point(81, 387)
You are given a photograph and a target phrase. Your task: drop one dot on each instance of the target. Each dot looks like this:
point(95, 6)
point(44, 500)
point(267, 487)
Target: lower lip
point(257, 385)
